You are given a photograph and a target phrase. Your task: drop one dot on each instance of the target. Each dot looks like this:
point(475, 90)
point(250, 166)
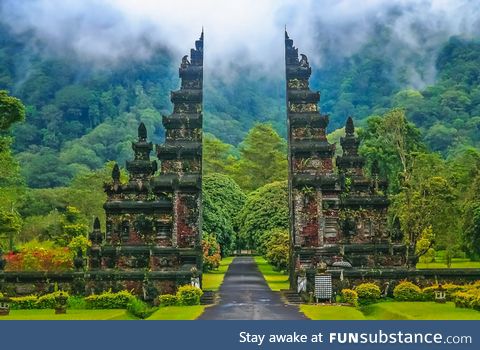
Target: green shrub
point(265, 209)
point(24, 303)
point(467, 299)
point(109, 300)
point(407, 291)
point(76, 303)
point(277, 249)
point(139, 308)
point(189, 295)
point(168, 300)
point(349, 296)
point(47, 301)
point(367, 293)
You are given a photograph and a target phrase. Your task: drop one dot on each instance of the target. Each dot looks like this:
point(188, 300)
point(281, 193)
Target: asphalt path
point(245, 295)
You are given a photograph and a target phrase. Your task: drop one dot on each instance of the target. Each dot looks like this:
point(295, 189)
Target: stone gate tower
point(338, 216)
point(153, 234)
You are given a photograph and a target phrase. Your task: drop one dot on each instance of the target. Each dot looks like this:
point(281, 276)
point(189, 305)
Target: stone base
point(4, 312)
point(60, 310)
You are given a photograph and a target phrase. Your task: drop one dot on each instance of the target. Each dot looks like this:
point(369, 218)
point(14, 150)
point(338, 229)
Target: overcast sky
point(243, 31)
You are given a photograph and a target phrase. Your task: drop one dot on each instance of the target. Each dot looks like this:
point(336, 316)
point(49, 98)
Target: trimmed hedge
point(470, 299)
point(407, 291)
point(368, 293)
point(24, 303)
point(349, 296)
point(189, 295)
point(76, 303)
point(109, 300)
point(168, 300)
point(47, 301)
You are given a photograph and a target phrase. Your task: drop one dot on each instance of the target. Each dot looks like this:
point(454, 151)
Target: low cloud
point(247, 33)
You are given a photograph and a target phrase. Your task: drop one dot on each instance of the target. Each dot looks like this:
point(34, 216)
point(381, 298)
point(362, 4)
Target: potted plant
point(61, 303)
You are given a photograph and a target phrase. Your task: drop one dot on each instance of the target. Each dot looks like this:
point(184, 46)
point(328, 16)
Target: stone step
point(209, 297)
point(291, 296)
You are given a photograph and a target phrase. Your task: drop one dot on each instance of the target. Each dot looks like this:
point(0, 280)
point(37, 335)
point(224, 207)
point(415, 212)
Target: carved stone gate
point(338, 216)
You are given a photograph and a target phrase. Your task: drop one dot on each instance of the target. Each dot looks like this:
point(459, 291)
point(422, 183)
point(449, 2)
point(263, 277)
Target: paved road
point(244, 295)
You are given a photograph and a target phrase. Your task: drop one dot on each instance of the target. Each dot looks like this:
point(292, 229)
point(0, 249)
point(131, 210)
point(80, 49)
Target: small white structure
point(440, 295)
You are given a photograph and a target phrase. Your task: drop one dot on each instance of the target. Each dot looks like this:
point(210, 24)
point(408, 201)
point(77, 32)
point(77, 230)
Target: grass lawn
point(331, 312)
point(178, 313)
point(276, 280)
point(456, 263)
point(391, 310)
point(49, 314)
point(440, 262)
point(213, 279)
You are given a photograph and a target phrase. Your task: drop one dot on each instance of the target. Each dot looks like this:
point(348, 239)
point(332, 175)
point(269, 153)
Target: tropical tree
point(222, 201)
point(265, 209)
point(263, 158)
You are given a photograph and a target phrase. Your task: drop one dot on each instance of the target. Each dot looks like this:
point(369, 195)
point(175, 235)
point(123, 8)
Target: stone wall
point(146, 285)
point(387, 279)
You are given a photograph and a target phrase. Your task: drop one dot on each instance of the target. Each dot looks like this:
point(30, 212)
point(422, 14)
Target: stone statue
point(185, 62)
point(304, 61)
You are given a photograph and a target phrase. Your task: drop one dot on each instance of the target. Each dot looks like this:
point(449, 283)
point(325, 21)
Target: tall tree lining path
point(245, 295)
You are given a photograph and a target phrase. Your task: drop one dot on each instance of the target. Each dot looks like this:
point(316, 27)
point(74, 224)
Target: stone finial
point(375, 169)
point(116, 173)
point(349, 127)
point(142, 132)
point(96, 235)
point(96, 224)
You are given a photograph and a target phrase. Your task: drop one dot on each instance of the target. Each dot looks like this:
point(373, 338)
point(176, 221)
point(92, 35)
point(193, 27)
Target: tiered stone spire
point(350, 162)
point(312, 181)
point(311, 153)
point(181, 154)
point(141, 168)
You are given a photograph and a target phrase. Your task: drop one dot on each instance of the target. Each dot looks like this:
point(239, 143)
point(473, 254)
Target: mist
point(247, 33)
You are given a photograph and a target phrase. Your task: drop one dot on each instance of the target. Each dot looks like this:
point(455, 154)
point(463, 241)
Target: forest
point(63, 123)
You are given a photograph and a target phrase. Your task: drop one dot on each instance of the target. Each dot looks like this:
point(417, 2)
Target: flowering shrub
point(211, 252)
point(32, 258)
point(189, 295)
point(407, 291)
point(349, 296)
point(368, 293)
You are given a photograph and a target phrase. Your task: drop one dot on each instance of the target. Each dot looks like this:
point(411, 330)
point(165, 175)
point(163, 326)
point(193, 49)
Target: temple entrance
point(244, 295)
